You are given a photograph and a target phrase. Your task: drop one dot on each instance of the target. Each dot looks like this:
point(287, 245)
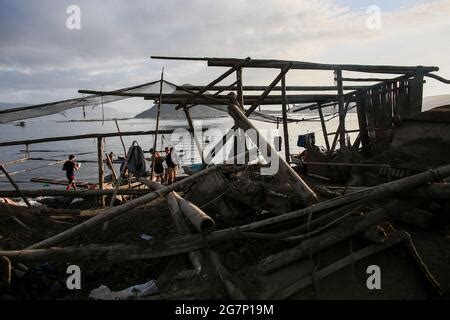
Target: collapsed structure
point(248, 235)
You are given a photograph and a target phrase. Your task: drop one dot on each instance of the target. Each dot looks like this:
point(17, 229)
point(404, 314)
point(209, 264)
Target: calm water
point(87, 149)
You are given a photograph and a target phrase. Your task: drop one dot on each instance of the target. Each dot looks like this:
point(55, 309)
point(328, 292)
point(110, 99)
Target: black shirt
point(69, 167)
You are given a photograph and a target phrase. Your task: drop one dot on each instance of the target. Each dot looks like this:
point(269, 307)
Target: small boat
point(193, 168)
point(20, 124)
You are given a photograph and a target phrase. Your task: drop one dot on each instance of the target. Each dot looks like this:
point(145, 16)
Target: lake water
point(87, 149)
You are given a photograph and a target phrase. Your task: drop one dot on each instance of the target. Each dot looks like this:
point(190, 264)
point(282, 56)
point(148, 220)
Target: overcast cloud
point(41, 60)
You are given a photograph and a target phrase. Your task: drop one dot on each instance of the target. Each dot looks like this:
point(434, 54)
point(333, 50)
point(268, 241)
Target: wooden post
point(121, 139)
point(101, 173)
point(285, 124)
point(415, 93)
point(240, 91)
point(341, 107)
point(157, 122)
point(15, 185)
point(361, 107)
point(191, 126)
point(324, 127)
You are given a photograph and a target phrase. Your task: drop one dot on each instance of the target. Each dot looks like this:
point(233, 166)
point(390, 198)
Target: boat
point(193, 168)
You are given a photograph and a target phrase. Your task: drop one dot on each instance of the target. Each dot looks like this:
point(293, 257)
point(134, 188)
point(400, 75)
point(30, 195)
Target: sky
point(42, 60)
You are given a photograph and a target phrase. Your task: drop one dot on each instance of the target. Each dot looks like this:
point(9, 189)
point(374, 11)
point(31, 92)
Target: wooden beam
point(324, 129)
point(217, 80)
point(71, 193)
point(191, 126)
point(234, 87)
point(81, 137)
point(266, 63)
point(287, 153)
point(342, 113)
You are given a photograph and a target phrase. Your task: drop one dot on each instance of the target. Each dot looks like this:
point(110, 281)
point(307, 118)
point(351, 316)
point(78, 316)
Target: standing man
point(171, 165)
point(70, 166)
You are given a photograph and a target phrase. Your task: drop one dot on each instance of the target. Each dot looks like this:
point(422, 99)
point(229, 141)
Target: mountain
point(168, 111)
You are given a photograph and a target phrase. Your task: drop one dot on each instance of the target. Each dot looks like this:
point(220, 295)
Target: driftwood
point(113, 212)
point(343, 231)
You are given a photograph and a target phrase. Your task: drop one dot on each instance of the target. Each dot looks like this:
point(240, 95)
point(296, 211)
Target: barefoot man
point(70, 166)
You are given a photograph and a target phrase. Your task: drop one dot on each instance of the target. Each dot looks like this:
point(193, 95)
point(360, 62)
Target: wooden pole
point(324, 128)
point(15, 185)
point(287, 153)
point(101, 172)
point(157, 121)
point(341, 107)
point(121, 139)
point(194, 136)
point(239, 87)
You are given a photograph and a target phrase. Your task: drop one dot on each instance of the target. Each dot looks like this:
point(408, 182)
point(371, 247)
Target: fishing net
point(35, 111)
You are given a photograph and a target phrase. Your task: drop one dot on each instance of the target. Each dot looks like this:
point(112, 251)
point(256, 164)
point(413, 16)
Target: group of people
point(165, 168)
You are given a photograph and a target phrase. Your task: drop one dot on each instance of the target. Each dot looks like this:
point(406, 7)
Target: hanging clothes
point(136, 161)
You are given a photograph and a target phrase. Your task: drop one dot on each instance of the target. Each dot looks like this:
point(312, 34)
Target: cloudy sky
point(42, 60)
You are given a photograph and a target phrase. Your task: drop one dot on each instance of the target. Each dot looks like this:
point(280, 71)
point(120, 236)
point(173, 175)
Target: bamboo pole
point(194, 136)
point(15, 185)
point(71, 193)
point(324, 128)
point(101, 172)
point(82, 137)
point(342, 113)
point(285, 124)
point(157, 121)
point(121, 139)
